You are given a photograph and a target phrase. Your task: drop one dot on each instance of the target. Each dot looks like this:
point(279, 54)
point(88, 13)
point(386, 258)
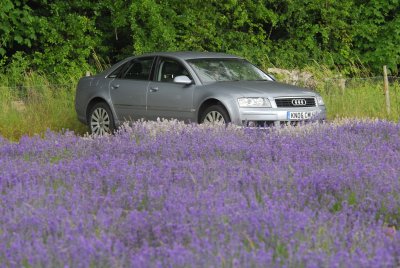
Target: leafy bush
point(57, 37)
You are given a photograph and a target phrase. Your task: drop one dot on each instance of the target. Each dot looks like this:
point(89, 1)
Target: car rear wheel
point(101, 120)
point(215, 114)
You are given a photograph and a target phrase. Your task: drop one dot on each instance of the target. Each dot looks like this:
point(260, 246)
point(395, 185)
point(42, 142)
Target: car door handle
point(153, 89)
point(114, 86)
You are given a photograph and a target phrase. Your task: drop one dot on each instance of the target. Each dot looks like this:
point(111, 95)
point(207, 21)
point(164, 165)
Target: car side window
point(139, 69)
point(169, 69)
point(136, 69)
point(118, 71)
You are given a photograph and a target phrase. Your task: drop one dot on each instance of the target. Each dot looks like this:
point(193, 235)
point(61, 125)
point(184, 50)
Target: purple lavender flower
point(168, 194)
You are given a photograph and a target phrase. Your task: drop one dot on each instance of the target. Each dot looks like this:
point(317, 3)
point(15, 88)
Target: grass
point(35, 105)
point(31, 103)
point(361, 98)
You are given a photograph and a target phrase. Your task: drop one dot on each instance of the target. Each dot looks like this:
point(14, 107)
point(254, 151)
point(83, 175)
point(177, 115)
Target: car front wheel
point(215, 114)
point(101, 120)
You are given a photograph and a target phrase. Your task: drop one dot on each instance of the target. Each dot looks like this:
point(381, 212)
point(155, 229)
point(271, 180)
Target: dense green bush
point(58, 36)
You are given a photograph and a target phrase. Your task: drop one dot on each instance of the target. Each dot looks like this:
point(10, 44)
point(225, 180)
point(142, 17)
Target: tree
point(55, 36)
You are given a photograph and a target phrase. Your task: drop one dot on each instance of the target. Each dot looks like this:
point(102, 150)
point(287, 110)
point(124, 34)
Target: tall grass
point(34, 104)
point(31, 103)
point(361, 98)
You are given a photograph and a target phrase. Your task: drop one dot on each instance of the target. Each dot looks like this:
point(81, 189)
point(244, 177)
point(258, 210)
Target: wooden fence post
point(386, 83)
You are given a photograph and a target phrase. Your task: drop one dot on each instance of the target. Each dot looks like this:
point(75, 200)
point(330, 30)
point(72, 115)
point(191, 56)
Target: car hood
point(260, 88)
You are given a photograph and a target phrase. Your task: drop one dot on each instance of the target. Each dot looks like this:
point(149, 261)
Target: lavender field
point(172, 195)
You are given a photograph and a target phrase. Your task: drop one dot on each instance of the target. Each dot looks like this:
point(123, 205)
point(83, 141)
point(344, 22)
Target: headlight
point(254, 102)
point(320, 101)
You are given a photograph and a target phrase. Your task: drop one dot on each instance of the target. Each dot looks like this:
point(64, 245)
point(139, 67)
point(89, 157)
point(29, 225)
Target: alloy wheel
point(100, 121)
point(214, 117)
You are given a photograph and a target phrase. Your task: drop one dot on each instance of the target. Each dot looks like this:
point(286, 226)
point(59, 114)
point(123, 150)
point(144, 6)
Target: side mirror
point(183, 79)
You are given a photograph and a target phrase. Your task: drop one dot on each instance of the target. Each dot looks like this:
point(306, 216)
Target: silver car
point(196, 87)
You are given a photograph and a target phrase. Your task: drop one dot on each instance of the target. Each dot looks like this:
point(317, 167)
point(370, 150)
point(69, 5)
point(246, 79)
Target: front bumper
point(268, 116)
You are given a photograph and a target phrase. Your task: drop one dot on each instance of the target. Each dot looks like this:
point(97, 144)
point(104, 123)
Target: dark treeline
point(56, 36)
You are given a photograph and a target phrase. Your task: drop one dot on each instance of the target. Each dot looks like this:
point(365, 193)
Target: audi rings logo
point(299, 102)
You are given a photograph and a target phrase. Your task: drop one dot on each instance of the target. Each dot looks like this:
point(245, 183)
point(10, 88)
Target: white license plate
point(300, 115)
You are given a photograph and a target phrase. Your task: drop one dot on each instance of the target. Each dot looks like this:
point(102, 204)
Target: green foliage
point(377, 37)
point(315, 30)
point(152, 26)
point(67, 45)
point(197, 25)
point(55, 37)
point(58, 36)
point(17, 26)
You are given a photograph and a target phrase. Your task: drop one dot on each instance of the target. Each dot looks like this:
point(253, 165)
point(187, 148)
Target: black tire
point(215, 114)
point(101, 120)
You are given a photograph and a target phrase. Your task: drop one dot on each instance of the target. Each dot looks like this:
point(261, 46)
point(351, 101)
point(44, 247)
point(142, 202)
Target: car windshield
point(215, 70)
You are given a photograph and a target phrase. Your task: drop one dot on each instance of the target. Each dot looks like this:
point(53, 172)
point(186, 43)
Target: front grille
point(288, 102)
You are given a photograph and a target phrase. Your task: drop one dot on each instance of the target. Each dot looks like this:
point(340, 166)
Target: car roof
point(183, 55)
point(187, 55)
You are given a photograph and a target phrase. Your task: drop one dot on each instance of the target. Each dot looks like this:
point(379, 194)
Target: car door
point(167, 99)
point(128, 90)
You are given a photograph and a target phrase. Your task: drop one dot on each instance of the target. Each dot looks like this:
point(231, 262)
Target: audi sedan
point(199, 87)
